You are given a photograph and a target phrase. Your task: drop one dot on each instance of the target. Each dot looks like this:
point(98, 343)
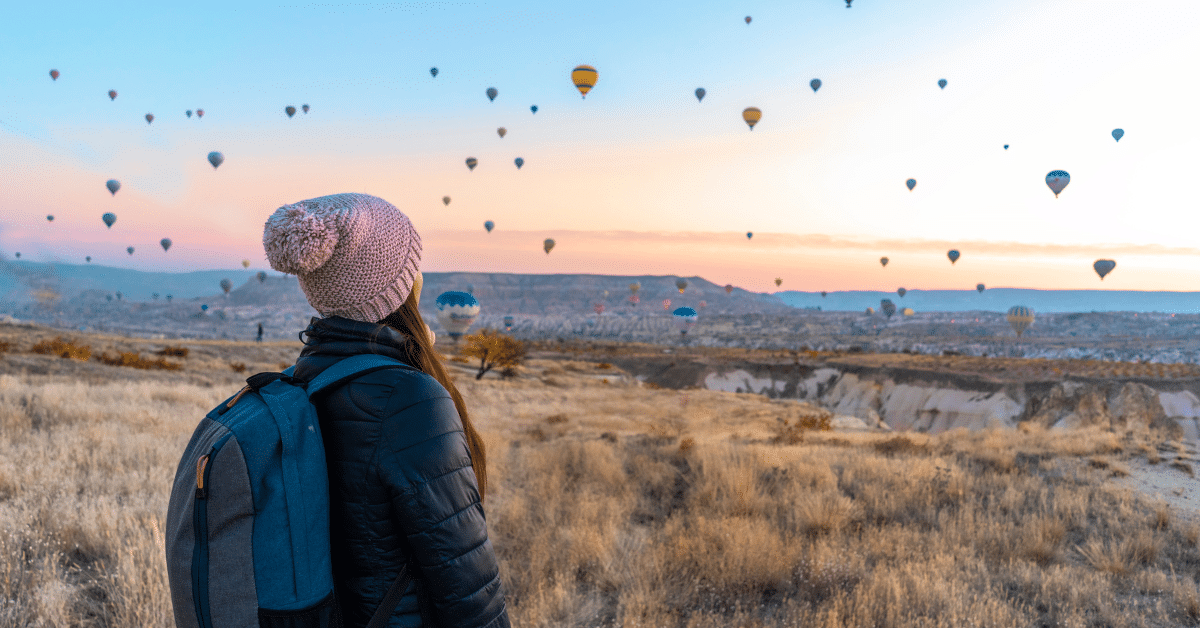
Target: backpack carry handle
point(348, 369)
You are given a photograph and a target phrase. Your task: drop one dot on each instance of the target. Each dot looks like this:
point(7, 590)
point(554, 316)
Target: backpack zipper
point(200, 527)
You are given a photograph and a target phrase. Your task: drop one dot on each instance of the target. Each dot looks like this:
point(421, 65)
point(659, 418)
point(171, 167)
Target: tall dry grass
point(614, 504)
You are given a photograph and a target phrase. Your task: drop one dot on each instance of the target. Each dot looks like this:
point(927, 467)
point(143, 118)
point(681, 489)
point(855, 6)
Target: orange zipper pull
point(201, 493)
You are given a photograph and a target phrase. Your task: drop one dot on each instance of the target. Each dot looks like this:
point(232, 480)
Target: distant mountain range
point(566, 294)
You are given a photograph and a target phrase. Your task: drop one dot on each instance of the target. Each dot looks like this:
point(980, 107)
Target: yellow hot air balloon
point(751, 115)
point(584, 77)
point(245, 263)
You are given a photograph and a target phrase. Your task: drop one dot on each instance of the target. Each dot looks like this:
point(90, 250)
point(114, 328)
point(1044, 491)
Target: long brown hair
point(420, 353)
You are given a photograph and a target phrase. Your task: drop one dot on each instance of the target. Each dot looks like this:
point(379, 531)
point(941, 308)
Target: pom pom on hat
point(298, 240)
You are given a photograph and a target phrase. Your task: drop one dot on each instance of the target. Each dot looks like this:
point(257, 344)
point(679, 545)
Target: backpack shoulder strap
point(388, 605)
point(351, 368)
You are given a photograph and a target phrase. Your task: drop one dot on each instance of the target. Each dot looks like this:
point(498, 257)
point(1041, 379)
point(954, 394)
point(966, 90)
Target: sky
point(640, 177)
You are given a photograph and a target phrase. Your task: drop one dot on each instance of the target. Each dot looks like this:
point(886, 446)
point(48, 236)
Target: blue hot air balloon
point(216, 159)
point(456, 311)
point(489, 225)
point(89, 259)
point(113, 185)
point(887, 307)
point(508, 322)
point(520, 162)
point(1118, 134)
point(50, 217)
point(911, 183)
point(700, 92)
point(942, 83)
point(953, 255)
point(533, 108)
point(109, 219)
point(980, 287)
point(129, 250)
point(1103, 267)
point(815, 84)
point(749, 234)
point(685, 319)
point(491, 93)
point(1006, 147)
point(1057, 180)
point(204, 308)
point(433, 72)
point(165, 243)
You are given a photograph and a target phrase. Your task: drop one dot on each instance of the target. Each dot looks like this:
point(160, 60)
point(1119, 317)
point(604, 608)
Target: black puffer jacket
point(402, 489)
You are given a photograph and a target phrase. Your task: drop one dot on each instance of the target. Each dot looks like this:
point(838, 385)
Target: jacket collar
point(334, 338)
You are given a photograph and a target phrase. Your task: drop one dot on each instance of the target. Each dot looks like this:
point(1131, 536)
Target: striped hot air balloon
point(1020, 317)
point(584, 77)
point(1057, 180)
point(457, 311)
point(751, 115)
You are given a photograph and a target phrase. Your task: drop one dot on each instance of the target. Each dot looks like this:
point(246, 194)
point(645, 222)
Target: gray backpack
point(248, 521)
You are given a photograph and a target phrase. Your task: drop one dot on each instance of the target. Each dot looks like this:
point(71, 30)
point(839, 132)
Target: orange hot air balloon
point(751, 115)
point(584, 77)
point(112, 94)
point(778, 281)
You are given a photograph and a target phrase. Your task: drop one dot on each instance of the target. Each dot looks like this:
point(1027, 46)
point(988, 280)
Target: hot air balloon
point(747, 19)
point(471, 163)
point(887, 307)
point(666, 304)
point(901, 292)
point(870, 311)
point(88, 259)
point(703, 304)
point(289, 110)
point(685, 319)
point(50, 217)
point(262, 276)
point(109, 219)
point(508, 323)
point(1006, 147)
point(681, 283)
point(815, 84)
point(778, 281)
point(204, 308)
point(501, 132)
point(598, 308)
point(728, 288)
point(848, 3)
point(149, 118)
point(634, 300)
point(1020, 317)
point(129, 250)
point(216, 159)
point(520, 162)
point(634, 287)
point(491, 94)
point(823, 293)
point(980, 287)
point(942, 83)
point(548, 244)
point(445, 200)
point(245, 263)
point(154, 296)
point(199, 113)
point(433, 72)
point(456, 311)
point(911, 183)
point(54, 74)
point(304, 108)
point(18, 254)
point(751, 115)
point(749, 234)
point(489, 225)
point(118, 295)
point(1118, 134)
point(112, 94)
point(166, 243)
point(169, 298)
point(1057, 180)
point(226, 285)
point(584, 77)
point(533, 108)
point(1103, 267)
point(953, 255)
point(883, 261)
point(908, 311)
point(700, 92)
point(113, 185)
point(189, 113)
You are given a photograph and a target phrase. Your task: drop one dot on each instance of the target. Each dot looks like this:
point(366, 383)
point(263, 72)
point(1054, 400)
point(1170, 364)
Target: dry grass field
point(614, 503)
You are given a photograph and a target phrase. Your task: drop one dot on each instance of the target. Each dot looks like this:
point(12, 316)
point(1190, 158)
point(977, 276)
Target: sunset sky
point(639, 177)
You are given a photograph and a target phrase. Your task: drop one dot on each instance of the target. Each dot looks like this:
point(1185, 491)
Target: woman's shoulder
point(404, 384)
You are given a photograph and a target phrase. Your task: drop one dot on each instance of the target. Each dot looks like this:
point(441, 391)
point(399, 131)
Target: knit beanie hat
point(356, 255)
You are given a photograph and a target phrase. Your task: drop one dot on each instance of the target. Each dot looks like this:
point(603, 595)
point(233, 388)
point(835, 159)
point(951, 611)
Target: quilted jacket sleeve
point(423, 459)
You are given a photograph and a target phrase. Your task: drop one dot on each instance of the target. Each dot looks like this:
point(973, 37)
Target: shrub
point(556, 418)
point(133, 360)
point(604, 365)
point(493, 349)
point(175, 352)
point(238, 367)
point(788, 432)
point(64, 349)
point(5, 346)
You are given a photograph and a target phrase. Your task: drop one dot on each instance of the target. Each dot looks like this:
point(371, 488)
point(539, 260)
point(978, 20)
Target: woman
point(407, 471)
